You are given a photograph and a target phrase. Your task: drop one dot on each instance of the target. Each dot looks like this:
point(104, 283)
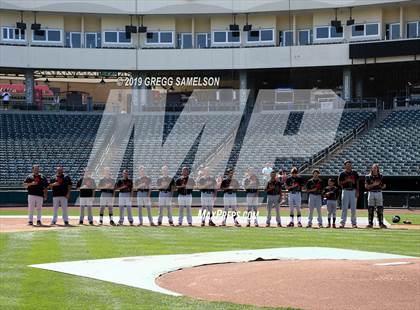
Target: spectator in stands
point(6, 99)
point(266, 171)
point(86, 186)
point(61, 186)
point(37, 186)
point(251, 185)
point(349, 182)
point(374, 185)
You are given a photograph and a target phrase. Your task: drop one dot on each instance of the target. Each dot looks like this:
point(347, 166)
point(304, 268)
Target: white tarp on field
point(141, 271)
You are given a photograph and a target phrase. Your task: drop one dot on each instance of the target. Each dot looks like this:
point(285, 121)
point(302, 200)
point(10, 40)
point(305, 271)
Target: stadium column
point(29, 87)
point(294, 29)
point(243, 86)
point(402, 32)
point(193, 31)
point(82, 31)
point(346, 83)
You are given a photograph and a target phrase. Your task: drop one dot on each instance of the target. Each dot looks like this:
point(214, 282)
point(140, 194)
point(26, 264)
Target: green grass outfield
point(413, 216)
point(22, 287)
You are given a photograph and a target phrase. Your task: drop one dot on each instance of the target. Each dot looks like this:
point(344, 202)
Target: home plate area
point(299, 277)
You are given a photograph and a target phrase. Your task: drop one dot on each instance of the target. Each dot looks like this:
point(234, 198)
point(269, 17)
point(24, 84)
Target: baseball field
point(23, 287)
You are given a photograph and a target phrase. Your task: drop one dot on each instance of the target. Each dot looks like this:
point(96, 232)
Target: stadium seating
point(67, 139)
point(394, 144)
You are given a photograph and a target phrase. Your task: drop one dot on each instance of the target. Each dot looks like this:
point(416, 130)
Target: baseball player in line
point(314, 188)
point(230, 186)
point(185, 185)
point(37, 187)
point(294, 184)
point(106, 185)
point(61, 186)
point(86, 186)
point(142, 186)
point(251, 185)
point(125, 186)
point(331, 194)
point(207, 185)
point(349, 181)
point(374, 185)
point(165, 184)
point(273, 190)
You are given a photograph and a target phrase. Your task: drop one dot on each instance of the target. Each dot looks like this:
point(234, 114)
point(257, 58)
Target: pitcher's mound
point(311, 284)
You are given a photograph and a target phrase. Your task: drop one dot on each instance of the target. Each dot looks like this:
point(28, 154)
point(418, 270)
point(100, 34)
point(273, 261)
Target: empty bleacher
point(67, 139)
point(394, 144)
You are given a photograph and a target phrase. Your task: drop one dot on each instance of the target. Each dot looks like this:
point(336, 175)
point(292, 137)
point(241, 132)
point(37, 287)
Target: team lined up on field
point(37, 186)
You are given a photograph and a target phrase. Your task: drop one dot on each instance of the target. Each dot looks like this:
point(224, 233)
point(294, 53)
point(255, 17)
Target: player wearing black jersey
point(37, 186)
point(374, 185)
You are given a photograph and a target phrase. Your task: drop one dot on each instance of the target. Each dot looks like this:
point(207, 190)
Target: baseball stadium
point(197, 154)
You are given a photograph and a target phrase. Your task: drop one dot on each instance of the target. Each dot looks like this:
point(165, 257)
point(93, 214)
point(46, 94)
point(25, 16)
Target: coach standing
point(61, 186)
point(37, 186)
point(348, 180)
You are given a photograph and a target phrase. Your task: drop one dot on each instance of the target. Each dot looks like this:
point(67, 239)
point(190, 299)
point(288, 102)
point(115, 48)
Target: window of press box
point(47, 35)
point(413, 30)
point(13, 34)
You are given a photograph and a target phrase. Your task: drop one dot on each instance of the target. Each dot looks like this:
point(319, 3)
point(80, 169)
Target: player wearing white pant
point(294, 184)
point(374, 185)
point(251, 185)
point(37, 186)
point(61, 186)
point(165, 185)
point(349, 181)
point(230, 186)
point(331, 194)
point(207, 186)
point(142, 186)
point(314, 189)
point(125, 187)
point(273, 190)
point(185, 185)
point(86, 186)
point(106, 185)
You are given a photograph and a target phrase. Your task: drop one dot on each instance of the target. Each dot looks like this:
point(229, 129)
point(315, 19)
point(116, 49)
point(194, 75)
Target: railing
point(336, 145)
point(48, 104)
